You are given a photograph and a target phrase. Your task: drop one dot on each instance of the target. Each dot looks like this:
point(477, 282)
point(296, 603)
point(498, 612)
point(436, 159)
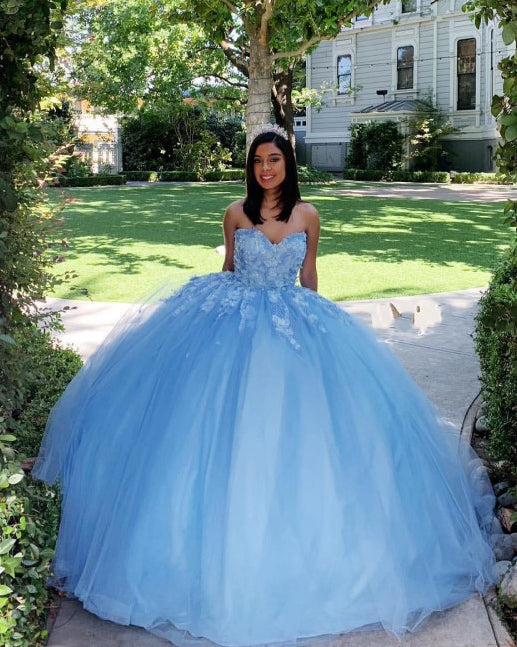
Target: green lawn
point(124, 241)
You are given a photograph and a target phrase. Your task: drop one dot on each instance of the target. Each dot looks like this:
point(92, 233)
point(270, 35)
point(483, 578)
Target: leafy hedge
point(485, 178)
point(92, 180)
point(496, 345)
point(36, 142)
point(225, 174)
point(397, 175)
point(178, 176)
point(185, 176)
point(29, 508)
point(141, 176)
point(305, 174)
point(311, 174)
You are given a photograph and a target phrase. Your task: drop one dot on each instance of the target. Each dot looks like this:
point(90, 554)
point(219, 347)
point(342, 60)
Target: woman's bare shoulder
point(308, 211)
point(235, 209)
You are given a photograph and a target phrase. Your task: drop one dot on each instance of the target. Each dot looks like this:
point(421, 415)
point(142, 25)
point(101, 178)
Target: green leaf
point(510, 133)
point(508, 120)
point(6, 545)
point(15, 478)
point(508, 34)
point(497, 105)
point(10, 564)
point(508, 84)
point(5, 590)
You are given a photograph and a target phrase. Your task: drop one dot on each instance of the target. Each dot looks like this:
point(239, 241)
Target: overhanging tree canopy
point(128, 54)
point(265, 39)
point(152, 50)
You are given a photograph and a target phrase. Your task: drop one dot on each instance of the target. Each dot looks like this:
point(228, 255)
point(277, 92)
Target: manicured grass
point(125, 241)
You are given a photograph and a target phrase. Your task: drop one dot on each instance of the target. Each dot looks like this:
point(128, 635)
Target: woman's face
point(269, 165)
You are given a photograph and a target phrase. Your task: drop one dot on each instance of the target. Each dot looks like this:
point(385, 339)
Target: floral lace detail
point(280, 316)
point(263, 264)
point(305, 299)
point(264, 277)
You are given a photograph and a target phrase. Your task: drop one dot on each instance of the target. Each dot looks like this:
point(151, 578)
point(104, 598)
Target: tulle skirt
point(224, 485)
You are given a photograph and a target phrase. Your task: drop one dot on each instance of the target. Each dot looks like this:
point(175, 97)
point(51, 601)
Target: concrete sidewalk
point(430, 191)
point(432, 337)
point(449, 192)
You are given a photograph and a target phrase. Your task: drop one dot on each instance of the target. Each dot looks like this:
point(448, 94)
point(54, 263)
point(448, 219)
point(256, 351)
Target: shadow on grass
point(111, 222)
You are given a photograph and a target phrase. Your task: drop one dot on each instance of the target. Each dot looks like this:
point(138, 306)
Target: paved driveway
point(453, 192)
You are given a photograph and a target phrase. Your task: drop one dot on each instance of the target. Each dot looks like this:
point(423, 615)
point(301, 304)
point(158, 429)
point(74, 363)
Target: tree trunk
point(281, 96)
point(258, 108)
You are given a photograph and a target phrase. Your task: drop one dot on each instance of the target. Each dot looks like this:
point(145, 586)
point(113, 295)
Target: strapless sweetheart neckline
point(293, 233)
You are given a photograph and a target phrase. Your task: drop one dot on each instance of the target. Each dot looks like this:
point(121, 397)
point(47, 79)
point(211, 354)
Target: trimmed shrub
point(419, 176)
point(482, 178)
point(311, 174)
point(141, 176)
point(225, 174)
point(396, 175)
point(92, 180)
point(178, 176)
point(496, 345)
point(363, 174)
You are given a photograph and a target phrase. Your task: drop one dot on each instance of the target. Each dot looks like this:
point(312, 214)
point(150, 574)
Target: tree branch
point(205, 48)
point(264, 20)
point(230, 6)
point(239, 62)
point(296, 53)
point(235, 84)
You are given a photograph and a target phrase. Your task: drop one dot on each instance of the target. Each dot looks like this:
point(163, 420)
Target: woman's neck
point(270, 199)
point(270, 196)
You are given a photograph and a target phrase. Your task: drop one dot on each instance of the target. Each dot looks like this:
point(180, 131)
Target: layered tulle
point(247, 466)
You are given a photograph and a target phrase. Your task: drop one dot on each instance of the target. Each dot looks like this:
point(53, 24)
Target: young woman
point(246, 464)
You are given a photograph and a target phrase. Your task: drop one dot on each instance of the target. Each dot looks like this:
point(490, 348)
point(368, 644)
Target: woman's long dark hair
point(289, 189)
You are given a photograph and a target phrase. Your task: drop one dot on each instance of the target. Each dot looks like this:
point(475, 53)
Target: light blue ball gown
point(244, 463)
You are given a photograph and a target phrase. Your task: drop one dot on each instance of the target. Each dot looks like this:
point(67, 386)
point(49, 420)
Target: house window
point(466, 66)
point(344, 74)
point(408, 6)
point(405, 64)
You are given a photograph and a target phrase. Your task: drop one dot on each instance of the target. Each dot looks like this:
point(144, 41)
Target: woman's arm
point(229, 226)
point(308, 271)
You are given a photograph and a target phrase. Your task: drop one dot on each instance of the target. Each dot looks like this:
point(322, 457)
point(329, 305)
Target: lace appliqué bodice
point(264, 277)
point(262, 264)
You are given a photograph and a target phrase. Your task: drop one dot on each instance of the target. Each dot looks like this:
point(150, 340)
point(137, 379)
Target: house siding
point(433, 30)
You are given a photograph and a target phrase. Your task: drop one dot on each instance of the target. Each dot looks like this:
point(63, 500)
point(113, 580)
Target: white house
point(100, 136)
point(407, 50)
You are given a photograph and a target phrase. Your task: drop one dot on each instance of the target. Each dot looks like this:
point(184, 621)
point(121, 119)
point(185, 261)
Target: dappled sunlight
point(369, 246)
point(468, 192)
